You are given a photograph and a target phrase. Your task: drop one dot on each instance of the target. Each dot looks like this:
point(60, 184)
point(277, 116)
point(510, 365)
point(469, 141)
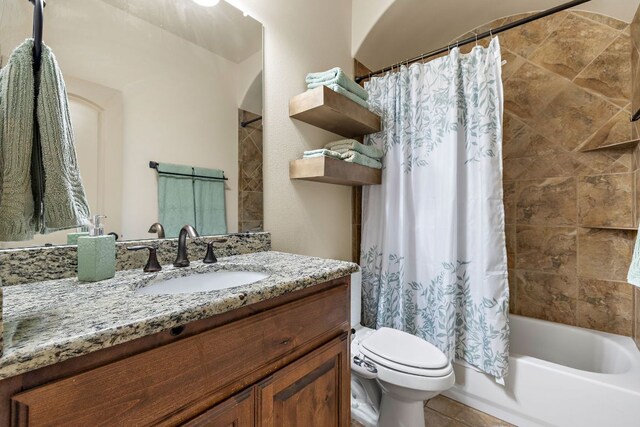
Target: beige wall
point(301, 36)
point(569, 214)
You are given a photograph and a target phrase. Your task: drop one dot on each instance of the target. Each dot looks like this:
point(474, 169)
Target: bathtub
point(558, 376)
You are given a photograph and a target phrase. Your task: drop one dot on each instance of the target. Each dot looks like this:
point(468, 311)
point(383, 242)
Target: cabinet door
point(237, 411)
point(313, 391)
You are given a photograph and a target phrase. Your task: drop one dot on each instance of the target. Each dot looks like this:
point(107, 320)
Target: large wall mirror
point(166, 81)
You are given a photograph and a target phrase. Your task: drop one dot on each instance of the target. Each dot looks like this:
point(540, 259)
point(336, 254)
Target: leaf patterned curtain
point(433, 259)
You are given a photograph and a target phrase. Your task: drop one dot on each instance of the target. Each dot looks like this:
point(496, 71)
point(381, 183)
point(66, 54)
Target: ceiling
point(221, 29)
point(402, 29)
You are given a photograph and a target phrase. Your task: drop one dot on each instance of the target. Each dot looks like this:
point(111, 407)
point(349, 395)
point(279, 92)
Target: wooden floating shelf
point(614, 146)
point(334, 171)
point(612, 227)
point(336, 113)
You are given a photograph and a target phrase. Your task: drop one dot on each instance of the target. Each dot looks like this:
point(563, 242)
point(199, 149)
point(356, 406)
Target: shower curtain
point(433, 255)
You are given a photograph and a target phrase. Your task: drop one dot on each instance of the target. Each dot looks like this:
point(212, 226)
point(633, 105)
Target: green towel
point(196, 201)
point(344, 145)
point(342, 91)
point(361, 159)
point(321, 153)
point(336, 76)
point(64, 202)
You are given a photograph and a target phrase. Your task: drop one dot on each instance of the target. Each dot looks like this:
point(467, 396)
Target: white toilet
point(392, 372)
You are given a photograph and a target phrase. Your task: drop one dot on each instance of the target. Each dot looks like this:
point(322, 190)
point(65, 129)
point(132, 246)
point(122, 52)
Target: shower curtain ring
point(476, 38)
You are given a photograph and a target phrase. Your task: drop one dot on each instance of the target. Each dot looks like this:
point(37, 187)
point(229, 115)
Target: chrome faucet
point(156, 227)
point(182, 259)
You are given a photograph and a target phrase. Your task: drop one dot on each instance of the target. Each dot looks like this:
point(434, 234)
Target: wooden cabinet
point(238, 411)
point(313, 391)
point(283, 362)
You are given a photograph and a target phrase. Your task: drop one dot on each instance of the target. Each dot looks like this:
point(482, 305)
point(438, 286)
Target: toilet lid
point(405, 349)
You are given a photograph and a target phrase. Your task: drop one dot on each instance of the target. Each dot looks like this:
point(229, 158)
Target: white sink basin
point(202, 282)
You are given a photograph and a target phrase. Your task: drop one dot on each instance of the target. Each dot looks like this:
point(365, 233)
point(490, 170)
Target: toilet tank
point(356, 298)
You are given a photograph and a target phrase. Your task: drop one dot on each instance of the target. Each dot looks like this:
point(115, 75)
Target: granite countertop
point(48, 322)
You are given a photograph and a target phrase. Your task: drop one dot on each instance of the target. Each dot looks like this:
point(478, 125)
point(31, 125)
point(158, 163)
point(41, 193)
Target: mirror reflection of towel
point(40, 190)
point(196, 201)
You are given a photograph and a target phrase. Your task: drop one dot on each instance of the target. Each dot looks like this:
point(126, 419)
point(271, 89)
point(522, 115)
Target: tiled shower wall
point(635, 62)
point(570, 214)
point(250, 201)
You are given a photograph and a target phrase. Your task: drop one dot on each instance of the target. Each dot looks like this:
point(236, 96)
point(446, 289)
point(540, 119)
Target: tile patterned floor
point(444, 412)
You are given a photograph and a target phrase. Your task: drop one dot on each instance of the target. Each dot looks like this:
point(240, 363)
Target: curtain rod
point(477, 37)
point(248, 122)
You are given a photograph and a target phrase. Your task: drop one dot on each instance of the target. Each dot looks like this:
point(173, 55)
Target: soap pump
point(96, 253)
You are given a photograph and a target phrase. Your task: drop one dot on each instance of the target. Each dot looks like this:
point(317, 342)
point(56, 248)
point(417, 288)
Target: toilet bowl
point(393, 373)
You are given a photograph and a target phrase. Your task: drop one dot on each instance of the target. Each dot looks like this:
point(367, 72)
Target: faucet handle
point(152, 265)
point(210, 257)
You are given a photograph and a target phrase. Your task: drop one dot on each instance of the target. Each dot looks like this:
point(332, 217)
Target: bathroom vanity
point(271, 353)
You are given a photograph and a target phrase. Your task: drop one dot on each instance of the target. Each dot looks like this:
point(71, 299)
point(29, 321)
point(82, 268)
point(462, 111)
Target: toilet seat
point(405, 353)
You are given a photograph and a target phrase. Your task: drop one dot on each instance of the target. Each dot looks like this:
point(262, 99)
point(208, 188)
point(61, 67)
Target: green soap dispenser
point(96, 253)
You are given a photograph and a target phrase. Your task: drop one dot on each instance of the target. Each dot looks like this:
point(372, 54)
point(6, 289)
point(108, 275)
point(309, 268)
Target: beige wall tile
point(252, 206)
point(517, 168)
point(524, 40)
point(510, 231)
point(509, 196)
point(603, 162)
point(546, 249)
point(605, 306)
point(527, 143)
point(635, 82)
point(573, 117)
point(606, 200)
point(511, 126)
point(573, 45)
point(618, 129)
point(539, 167)
point(547, 296)
point(614, 23)
point(514, 62)
point(605, 254)
point(610, 73)
point(551, 201)
point(530, 89)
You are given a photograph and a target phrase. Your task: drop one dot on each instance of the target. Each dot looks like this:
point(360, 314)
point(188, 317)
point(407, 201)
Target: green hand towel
point(344, 145)
point(211, 214)
point(342, 91)
point(321, 153)
point(64, 201)
point(196, 201)
point(336, 76)
point(361, 159)
point(16, 140)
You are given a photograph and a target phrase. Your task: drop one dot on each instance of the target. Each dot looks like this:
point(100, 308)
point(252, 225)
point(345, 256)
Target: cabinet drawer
point(237, 411)
point(159, 385)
